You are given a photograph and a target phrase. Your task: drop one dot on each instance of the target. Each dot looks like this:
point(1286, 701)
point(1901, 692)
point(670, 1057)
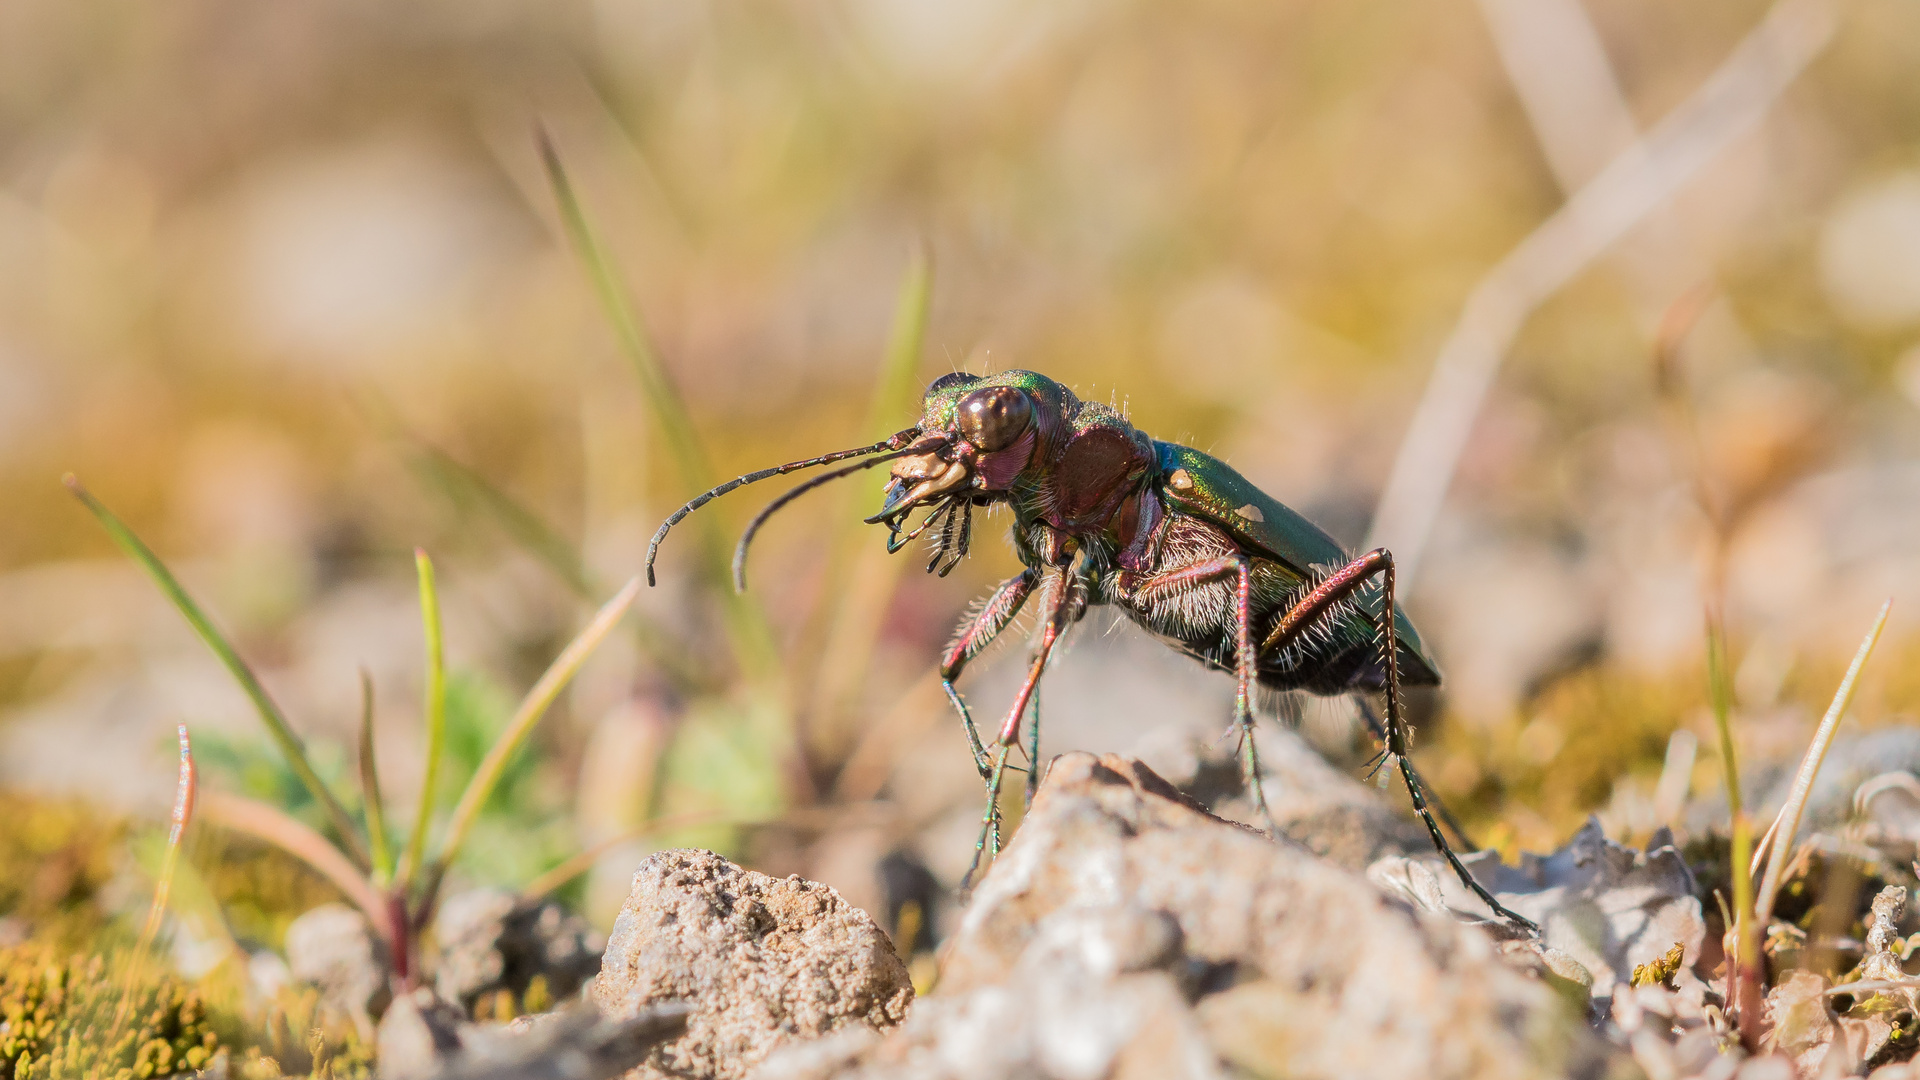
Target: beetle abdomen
point(1339, 652)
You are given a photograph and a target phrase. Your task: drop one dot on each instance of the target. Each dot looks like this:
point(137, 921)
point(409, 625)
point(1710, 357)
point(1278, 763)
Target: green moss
point(79, 1019)
point(1655, 972)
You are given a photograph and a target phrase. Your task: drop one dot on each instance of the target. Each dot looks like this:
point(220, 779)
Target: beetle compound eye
point(992, 419)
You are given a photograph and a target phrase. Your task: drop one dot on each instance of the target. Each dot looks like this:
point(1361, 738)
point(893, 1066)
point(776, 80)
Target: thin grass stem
point(1743, 972)
point(532, 708)
point(435, 715)
point(662, 397)
point(862, 581)
point(898, 386)
point(752, 640)
point(277, 726)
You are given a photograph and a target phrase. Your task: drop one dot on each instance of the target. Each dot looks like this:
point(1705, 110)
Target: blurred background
point(287, 286)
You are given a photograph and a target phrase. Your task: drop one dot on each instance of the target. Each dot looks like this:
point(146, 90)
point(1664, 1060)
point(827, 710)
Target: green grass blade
point(746, 627)
point(1743, 968)
point(662, 397)
point(435, 714)
point(1788, 821)
point(532, 708)
point(276, 721)
point(1720, 694)
point(370, 788)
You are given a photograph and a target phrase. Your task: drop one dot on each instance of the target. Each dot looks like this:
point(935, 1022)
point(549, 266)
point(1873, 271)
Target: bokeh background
point(287, 286)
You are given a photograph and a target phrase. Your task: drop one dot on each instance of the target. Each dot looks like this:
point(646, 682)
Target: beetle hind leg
point(1377, 728)
point(1337, 587)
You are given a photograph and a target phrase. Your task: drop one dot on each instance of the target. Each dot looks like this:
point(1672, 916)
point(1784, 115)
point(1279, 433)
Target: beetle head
point(988, 427)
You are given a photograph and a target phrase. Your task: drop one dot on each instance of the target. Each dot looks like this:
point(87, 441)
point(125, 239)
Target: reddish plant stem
point(401, 935)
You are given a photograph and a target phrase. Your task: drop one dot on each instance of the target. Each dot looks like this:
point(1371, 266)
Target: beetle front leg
point(1342, 584)
point(975, 634)
point(1061, 612)
point(1240, 567)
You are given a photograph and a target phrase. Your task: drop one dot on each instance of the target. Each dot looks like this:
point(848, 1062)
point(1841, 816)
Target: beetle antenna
point(746, 538)
point(892, 442)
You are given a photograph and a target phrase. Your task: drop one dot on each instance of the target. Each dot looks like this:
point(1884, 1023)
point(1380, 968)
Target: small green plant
point(397, 896)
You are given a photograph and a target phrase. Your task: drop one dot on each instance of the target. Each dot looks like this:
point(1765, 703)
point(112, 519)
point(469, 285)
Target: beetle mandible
point(1179, 542)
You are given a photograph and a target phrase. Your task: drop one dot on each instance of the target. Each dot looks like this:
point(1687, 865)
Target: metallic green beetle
point(1179, 542)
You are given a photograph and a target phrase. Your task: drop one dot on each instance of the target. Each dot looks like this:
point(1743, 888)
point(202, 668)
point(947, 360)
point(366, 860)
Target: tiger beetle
point(1180, 543)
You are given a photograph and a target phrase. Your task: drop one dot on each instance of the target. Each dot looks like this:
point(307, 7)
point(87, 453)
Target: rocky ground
point(1127, 932)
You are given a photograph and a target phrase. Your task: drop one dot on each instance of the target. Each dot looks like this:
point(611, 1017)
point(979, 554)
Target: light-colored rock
point(424, 1038)
point(1608, 907)
point(763, 960)
point(334, 948)
point(1127, 933)
point(418, 1033)
point(490, 940)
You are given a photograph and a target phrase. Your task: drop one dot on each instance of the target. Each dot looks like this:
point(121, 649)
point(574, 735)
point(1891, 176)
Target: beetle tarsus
point(989, 822)
point(1033, 750)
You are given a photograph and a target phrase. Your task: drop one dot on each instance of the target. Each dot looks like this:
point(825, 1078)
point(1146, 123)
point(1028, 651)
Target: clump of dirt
point(763, 960)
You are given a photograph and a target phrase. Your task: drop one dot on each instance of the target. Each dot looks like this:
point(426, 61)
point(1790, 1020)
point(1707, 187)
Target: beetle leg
point(1079, 591)
point(989, 820)
point(975, 634)
point(1344, 583)
point(1061, 612)
point(1241, 568)
point(1060, 600)
point(1033, 750)
point(1377, 728)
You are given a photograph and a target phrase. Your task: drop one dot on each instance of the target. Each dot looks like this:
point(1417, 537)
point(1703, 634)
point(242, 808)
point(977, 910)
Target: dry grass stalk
point(1644, 176)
